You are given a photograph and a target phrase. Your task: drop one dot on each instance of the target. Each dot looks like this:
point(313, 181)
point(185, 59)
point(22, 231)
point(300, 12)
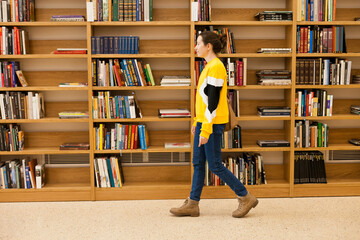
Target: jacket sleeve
point(211, 96)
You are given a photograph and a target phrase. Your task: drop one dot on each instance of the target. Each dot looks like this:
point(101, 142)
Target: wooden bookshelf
point(160, 48)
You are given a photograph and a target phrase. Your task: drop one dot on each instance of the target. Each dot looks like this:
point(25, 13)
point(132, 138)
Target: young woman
point(212, 114)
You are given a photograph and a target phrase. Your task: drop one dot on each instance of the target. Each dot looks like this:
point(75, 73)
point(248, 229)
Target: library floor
point(274, 218)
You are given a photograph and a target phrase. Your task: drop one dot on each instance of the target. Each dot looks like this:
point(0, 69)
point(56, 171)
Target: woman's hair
point(218, 42)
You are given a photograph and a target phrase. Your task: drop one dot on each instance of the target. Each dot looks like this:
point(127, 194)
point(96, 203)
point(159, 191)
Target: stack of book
point(122, 136)
point(175, 81)
point(274, 50)
point(174, 113)
point(355, 109)
point(248, 168)
point(23, 173)
point(11, 137)
point(273, 143)
point(75, 146)
point(274, 77)
point(309, 167)
point(311, 134)
point(115, 44)
point(121, 72)
point(73, 115)
point(273, 111)
point(67, 18)
point(73, 84)
point(356, 79)
point(108, 172)
point(315, 102)
point(177, 145)
point(70, 51)
point(274, 16)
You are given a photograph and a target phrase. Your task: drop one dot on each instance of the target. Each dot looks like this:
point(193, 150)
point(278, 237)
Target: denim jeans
point(211, 151)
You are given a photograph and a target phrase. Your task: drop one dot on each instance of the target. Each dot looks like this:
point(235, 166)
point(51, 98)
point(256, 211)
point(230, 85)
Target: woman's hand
point(193, 128)
point(202, 140)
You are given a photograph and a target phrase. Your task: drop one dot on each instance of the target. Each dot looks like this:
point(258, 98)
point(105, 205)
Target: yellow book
point(314, 107)
point(101, 137)
point(118, 173)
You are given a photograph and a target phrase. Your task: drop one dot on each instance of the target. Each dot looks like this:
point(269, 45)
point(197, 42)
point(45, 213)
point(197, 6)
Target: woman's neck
point(210, 57)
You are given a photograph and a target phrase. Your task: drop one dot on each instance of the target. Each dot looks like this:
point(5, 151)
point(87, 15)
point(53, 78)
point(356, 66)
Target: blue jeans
point(211, 152)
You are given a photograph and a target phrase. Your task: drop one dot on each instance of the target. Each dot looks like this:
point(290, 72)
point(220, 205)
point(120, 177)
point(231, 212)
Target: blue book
point(126, 68)
point(116, 45)
point(5, 177)
point(136, 70)
point(98, 45)
point(102, 45)
point(27, 176)
point(110, 173)
point(138, 11)
point(311, 41)
point(142, 137)
point(108, 140)
point(93, 45)
point(311, 10)
point(132, 45)
point(122, 45)
point(137, 40)
point(127, 107)
point(121, 114)
point(106, 45)
point(111, 45)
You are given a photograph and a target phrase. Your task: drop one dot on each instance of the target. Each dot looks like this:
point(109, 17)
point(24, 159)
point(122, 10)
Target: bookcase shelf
point(171, 52)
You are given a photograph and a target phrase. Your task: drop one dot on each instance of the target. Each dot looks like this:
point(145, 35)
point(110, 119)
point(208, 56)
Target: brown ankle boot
point(245, 204)
point(189, 208)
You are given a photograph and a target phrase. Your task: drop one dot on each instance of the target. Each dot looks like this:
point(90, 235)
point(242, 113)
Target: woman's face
point(200, 49)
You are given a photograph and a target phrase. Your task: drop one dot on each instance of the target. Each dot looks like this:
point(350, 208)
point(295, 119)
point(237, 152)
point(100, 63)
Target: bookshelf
point(167, 44)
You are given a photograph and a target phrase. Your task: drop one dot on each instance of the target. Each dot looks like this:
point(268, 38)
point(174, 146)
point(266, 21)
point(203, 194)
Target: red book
point(70, 52)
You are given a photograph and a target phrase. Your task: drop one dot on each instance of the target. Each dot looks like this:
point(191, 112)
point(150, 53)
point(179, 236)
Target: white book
point(90, 11)
point(194, 11)
point(146, 11)
point(2, 106)
point(96, 169)
point(4, 11)
point(112, 139)
point(342, 72)
point(348, 72)
point(3, 38)
point(23, 41)
point(40, 175)
point(132, 106)
point(30, 108)
point(231, 74)
point(102, 172)
point(106, 171)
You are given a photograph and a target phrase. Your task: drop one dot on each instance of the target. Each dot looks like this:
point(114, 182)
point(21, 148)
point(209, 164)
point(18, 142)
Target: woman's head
point(209, 41)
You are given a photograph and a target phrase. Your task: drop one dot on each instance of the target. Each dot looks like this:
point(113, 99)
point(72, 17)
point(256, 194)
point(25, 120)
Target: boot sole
point(186, 215)
point(253, 206)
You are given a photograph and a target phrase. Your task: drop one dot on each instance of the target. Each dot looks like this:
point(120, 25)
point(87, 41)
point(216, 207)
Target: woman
point(212, 114)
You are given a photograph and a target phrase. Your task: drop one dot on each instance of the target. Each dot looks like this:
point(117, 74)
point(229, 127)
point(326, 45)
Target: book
point(75, 146)
point(73, 84)
point(166, 113)
point(273, 143)
point(71, 115)
point(21, 78)
point(355, 141)
point(40, 175)
point(178, 145)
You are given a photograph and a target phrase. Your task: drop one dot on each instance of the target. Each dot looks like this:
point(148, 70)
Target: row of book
point(201, 10)
point(121, 72)
point(74, 146)
point(316, 10)
point(356, 79)
point(115, 44)
point(320, 71)
point(111, 107)
point(236, 71)
point(313, 103)
point(309, 167)
point(13, 41)
point(247, 167)
point(17, 11)
point(20, 105)
point(321, 39)
point(311, 134)
point(9, 77)
point(108, 172)
point(22, 173)
point(122, 136)
point(12, 137)
point(232, 138)
point(73, 115)
point(229, 46)
point(273, 111)
point(67, 18)
point(122, 10)
point(199, 67)
point(269, 77)
point(274, 16)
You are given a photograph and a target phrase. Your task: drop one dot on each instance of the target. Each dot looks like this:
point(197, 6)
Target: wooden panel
point(53, 78)
point(342, 106)
point(146, 174)
point(53, 139)
point(342, 135)
point(252, 45)
point(158, 74)
point(48, 46)
point(274, 172)
point(159, 138)
point(32, 195)
point(151, 108)
point(44, 14)
point(170, 14)
point(163, 46)
point(352, 45)
point(347, 14)
point(249, 107)
point(67, 175)
point(343, 171)
point(249, 136)
point(330, 189)
point(238, 14)
point(52, 109)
